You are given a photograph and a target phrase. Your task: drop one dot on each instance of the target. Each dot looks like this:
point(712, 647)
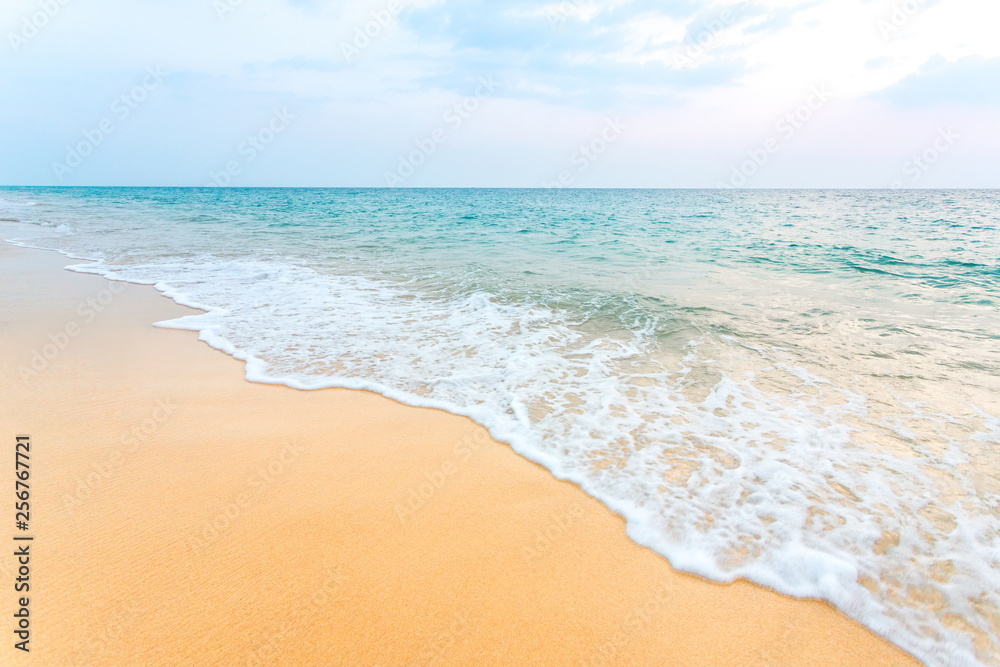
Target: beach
point(183, 515)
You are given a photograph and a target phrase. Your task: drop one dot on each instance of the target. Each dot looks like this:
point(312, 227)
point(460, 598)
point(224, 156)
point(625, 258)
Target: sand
point(184, 516)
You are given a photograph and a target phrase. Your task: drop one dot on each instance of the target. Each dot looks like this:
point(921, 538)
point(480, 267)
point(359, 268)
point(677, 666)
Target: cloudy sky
point(501, 93)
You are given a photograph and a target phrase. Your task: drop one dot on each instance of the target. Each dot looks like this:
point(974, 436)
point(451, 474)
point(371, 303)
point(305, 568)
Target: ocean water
point(801, 388)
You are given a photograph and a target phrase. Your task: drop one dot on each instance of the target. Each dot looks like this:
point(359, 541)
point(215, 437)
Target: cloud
point(779, 18)
point(878, 63)
point(972, 80)
point(698, 80)
point(574, 51)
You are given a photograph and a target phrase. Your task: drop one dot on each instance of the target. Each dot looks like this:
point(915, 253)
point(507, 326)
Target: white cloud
point(606, 57)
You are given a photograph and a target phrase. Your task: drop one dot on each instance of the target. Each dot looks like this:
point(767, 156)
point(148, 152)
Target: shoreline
point(158, 437)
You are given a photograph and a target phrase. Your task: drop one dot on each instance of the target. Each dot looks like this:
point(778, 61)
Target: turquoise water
point(797, 387)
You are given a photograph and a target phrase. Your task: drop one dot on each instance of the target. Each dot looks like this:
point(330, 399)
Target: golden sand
point(184, 516)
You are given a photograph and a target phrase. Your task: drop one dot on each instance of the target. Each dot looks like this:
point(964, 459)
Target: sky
point(501, 93)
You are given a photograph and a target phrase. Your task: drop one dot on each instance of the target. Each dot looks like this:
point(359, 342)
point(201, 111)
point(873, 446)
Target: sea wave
point(825, 431)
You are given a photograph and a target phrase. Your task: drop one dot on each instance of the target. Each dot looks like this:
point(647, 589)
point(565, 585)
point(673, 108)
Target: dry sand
point(184, 516)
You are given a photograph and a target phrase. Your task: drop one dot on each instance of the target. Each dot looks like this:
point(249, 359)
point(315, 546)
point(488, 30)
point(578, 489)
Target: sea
point(800, 388)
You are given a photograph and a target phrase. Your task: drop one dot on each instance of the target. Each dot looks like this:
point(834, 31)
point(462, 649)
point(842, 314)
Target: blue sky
point(579, 93)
